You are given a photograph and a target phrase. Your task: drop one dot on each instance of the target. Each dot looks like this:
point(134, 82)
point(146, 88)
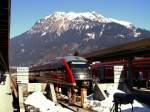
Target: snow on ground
point(106, 105)
point(38, 100)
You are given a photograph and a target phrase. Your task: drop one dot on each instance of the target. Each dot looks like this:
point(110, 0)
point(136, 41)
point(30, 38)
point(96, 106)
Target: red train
point(66, 72)
point(104, 71)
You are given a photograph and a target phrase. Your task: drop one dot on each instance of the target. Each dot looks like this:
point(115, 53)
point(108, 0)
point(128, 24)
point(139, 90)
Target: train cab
point(67, 72)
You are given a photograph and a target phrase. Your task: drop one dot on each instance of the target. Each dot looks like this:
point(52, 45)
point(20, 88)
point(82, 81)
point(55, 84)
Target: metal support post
point(129, 75)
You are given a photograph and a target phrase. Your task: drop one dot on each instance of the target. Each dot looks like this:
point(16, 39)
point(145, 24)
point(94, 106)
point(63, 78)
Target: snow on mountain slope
point(125, 23)
point(60, 21)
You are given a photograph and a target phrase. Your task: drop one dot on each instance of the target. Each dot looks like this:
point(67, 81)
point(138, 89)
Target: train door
point(102, 74)
point(109, 74)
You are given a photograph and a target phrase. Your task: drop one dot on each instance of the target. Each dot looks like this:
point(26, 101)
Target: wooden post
point(52, 93)
point(22, 109)
point(83, 97)
point(57, 89)
point(74, 96)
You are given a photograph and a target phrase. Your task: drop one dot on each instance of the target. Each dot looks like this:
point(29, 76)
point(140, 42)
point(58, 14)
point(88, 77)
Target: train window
point(101, 74)
point(81, 71)
point(79, 65)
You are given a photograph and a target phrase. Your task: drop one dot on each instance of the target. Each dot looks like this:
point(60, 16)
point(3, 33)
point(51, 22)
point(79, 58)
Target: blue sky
point(24, 13)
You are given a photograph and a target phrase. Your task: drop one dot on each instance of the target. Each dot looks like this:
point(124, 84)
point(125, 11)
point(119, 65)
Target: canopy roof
point(4, 33)
point(135, 48)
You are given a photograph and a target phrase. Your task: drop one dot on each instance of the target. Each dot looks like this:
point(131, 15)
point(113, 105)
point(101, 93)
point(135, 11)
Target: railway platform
point(6, 97)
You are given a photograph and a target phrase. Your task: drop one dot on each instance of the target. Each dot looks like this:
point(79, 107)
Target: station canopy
point(131, 49)
point(4, 33)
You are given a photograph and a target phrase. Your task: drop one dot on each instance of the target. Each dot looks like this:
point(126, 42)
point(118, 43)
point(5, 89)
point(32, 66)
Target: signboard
point(22, 74)
point(34, 87)
point(118, 74)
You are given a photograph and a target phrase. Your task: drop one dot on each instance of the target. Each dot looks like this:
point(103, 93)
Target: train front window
point(81, 71)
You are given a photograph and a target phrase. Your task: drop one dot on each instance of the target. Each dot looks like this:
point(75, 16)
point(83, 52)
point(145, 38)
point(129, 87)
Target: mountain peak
point(72, 15)
point(61, 21)
point(89, 15)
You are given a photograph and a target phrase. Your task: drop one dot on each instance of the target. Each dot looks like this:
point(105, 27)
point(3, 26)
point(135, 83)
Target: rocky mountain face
point(62, 33)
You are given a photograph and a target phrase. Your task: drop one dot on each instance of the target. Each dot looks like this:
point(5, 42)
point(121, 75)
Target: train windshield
point(81, 71)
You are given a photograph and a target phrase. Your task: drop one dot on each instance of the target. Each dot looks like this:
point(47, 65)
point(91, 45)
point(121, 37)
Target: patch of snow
point(122, 36)
point(102, 31)
point(44, 33)
point(40, 21)
point(22, 50)
point(124, 23)
point(38, 100)
point(91, 35)
point(73, 15)
point(87, 27)
point(47, 17)
point(137, 34)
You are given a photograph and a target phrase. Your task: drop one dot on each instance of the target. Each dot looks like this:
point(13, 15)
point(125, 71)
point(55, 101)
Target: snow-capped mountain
point(60, 22)
point(61, 33)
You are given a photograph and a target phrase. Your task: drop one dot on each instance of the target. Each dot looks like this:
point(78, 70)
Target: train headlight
point(85, 83)
point(82, 76)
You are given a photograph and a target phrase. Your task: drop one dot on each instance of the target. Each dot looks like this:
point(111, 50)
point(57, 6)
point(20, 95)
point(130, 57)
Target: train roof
point(56, 63)
point(74, 58)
